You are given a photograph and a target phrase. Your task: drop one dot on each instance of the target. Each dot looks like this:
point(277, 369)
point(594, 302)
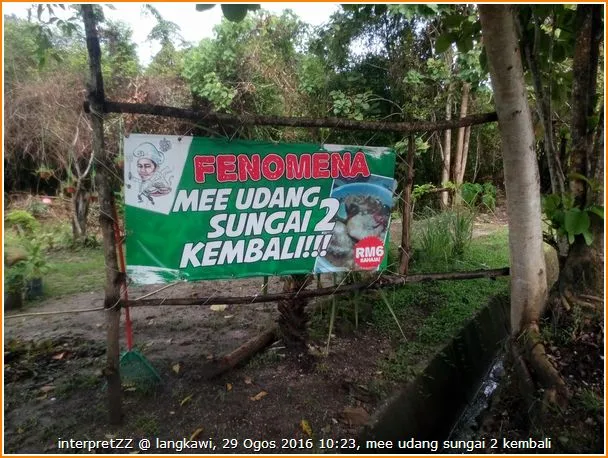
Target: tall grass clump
point(435, 237)
point(445, 236)
point(461, 230)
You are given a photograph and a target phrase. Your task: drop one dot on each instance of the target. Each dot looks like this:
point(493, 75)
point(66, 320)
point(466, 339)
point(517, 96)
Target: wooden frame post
point(406, 208)
point(96, 99)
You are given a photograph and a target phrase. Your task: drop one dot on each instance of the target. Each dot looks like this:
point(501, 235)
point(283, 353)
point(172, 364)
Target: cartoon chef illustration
point(153, 182)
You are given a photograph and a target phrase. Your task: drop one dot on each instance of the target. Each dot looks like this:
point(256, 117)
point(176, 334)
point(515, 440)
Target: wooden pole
point(210, 117)
point(113, 280)
point(384, 281)
point(406, 209)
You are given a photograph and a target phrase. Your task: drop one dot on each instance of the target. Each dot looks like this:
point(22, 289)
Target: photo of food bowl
point(365, 210)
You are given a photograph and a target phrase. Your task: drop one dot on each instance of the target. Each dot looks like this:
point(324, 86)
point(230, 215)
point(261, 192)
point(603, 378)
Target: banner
point(200, 208)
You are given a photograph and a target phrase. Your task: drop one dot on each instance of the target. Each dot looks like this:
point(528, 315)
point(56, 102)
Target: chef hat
point(149, 151)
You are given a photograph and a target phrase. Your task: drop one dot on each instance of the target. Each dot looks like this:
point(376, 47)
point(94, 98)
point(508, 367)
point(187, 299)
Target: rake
point(136, 372)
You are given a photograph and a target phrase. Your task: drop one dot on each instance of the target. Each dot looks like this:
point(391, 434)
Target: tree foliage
point(383, 62)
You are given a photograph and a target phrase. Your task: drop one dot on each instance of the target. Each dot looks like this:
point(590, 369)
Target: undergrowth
point(69, 268)
point(430, 314)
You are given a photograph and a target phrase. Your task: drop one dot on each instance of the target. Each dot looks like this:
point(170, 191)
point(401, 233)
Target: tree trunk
point(293, 317)
point(406, 217)
point(588, 26)
point(447, 150)
point(465, 153)
point(583, 271)
point(544, 110)
point(113, 278)
point(477, 149)
point(460, 139)
point(596, 165)
point(522, 183)
point(80, 208)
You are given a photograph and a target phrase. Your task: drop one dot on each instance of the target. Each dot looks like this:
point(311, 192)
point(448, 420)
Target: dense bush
point(479, 195)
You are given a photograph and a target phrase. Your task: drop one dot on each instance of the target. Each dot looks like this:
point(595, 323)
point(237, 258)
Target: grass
point(264, 359)
point(81, 381)
point(74, 272)
point(485, 252)
point(430, 313)
point(591, 402)
point(434, 312)
point(147, 424)
point(71, 269)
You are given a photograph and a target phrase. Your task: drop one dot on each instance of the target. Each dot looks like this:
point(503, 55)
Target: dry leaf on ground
point(185, 400)
point(258, 396)
point(196, 433)
point(355, 416)
point(306, 428)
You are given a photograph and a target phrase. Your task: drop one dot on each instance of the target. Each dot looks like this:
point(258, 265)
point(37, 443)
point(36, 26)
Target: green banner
point(200, 208)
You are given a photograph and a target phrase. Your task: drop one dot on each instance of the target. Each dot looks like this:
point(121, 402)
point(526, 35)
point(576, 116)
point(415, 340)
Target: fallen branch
point(382, 282)
point(220, 365)
point(211, 117)
point(435, 190)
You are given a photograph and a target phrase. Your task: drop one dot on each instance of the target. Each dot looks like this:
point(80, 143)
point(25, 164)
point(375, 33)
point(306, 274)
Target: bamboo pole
point(210, 117)
point(406, 211)
point(112, 285)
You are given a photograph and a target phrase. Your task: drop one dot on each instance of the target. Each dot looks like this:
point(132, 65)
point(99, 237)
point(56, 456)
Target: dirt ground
point(54, 388)
point(579, 426)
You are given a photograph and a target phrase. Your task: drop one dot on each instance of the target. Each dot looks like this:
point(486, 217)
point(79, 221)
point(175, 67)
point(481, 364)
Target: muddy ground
point(54, 388)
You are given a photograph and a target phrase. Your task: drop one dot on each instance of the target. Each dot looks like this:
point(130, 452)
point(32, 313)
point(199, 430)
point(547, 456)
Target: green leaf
point(568, 200)
point(576, 221)
point(578, 176)
point(592, 121)
point(596, 209)
point(453, 21)
point(204, 6)
point(588, 237)
point(550, 204)
point(428, 9)
point(559, 53)
point(236, 12)
point(379, 9)
point(443, 42)
point(465, 44)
